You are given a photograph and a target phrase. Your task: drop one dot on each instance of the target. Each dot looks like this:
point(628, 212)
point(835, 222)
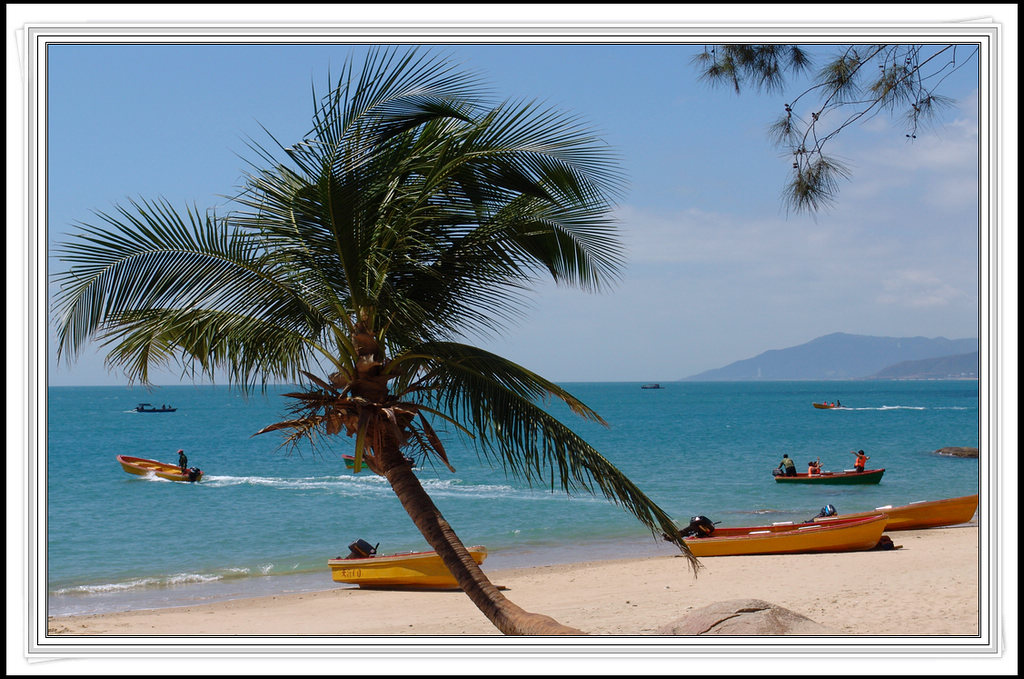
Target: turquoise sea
point(264, 521)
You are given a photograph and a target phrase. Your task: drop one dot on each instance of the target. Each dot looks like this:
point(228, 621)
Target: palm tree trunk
point(506, 616)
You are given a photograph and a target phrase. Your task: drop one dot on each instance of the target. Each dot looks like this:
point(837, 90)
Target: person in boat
point(182, 462)
point(862, 460)
point(787, 465)
point(814, 468)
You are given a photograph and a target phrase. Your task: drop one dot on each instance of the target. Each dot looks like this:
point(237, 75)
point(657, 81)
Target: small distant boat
point(149, 408)
point(847, 476)
point(172, 472)
point(408, 570)
point(826, 406)
point(651, 386)
point(851, 535)
point(920, 514)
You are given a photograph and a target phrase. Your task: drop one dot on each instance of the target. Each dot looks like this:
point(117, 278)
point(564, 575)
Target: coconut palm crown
point(412, 214)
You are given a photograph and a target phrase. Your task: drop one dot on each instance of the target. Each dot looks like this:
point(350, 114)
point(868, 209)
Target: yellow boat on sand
point(407, 570)
point(920, 514)
point(788, 538)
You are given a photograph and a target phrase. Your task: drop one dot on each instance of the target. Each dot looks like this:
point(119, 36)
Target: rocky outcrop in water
point(958, 451)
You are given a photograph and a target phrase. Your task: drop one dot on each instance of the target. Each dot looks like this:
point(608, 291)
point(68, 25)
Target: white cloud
point(938, 170)
point(866, 268)
point(694, 236)
point(920, 289)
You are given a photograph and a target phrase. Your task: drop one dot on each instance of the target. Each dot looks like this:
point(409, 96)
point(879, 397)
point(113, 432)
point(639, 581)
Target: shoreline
point(252, 587)
point(929, 587)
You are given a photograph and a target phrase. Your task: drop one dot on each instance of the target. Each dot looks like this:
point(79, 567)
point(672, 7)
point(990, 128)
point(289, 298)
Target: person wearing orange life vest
point(862, 460)
point(813, 468)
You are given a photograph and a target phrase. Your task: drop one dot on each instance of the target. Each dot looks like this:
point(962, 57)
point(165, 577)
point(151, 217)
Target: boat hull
point(824, 406)
point(143, 467)
point(865, 477)
point(415, 570)
point(915, 515)
point(147, 408)
point(840, 536)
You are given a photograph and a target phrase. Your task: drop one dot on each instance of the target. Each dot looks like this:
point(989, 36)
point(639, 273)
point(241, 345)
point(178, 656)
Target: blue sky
point(717, 271)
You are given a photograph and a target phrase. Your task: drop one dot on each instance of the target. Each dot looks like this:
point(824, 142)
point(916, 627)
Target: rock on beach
point(743, 617)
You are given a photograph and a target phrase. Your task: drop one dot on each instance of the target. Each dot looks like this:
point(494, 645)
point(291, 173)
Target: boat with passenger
point(165, 470)
point(846, 477)
point(150, 408)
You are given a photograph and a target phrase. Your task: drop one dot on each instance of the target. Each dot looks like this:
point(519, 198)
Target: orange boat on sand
point(849, 535)
point(920, 514)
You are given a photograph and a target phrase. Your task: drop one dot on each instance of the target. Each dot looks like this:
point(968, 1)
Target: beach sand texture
point(928, 587)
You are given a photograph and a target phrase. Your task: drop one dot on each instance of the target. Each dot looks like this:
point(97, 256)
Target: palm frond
point(247, 350)
point(500, 402)
point(153, 280)
point(410, 196)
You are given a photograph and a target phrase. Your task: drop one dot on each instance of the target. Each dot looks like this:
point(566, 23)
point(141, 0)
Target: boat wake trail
point(881, 408)
point(372, 485)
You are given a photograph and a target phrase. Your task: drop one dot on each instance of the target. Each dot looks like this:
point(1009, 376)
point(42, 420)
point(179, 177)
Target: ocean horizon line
point(642, 382)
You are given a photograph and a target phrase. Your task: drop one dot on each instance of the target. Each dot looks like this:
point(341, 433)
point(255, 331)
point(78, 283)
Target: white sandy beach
point(928, 587)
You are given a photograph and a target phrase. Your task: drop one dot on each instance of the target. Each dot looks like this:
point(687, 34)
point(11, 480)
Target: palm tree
point(410, 215)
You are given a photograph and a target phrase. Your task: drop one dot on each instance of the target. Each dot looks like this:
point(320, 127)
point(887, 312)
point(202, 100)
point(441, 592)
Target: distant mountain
point(839, 356)
point(944, 367)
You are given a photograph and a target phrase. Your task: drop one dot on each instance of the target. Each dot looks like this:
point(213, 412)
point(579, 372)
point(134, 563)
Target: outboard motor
point(193, 474)
point(826, 511)
point(700, 527)
point(361, 549)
